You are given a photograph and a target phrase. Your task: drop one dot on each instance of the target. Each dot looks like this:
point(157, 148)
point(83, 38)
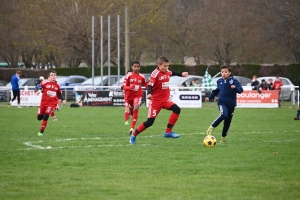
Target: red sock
point(140, 129)
point(43, 125)
point(172, 121)
point(126, 116)
point(52, 114)
point(134, 118)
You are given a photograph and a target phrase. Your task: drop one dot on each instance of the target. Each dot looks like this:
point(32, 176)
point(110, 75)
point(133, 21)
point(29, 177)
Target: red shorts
point(46, 109)
point(156, 106)
point(129, 103)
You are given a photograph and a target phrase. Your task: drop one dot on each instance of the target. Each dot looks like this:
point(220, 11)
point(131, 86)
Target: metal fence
point(288, 96)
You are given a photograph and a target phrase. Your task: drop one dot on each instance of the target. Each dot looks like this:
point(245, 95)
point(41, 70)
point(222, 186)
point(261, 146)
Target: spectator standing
point(263, 86)
point(270, 84)
point(255, 83)
point(277, 86)
point(15, 79)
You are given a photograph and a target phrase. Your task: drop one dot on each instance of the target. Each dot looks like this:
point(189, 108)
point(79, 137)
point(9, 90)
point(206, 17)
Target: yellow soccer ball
point(210, 141)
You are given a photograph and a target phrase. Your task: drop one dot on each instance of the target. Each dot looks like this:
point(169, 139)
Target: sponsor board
point(253, 99)
point(100, 98)
point(186, 99)
point(27, 98)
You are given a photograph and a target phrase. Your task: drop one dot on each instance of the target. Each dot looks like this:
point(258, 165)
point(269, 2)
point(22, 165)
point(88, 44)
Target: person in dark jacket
point(270, 84)
point(15, 88)
point(227, 88)
point(255, 83)
point(263, 86)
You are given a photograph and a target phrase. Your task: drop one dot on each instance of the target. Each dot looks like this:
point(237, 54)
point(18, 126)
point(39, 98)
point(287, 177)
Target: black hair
point(225, 67)
point(52, 71)
point(136, 62)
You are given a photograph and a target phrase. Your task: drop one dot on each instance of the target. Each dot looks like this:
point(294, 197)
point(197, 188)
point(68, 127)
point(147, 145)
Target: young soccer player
point(128, 110)
point(159, 95)
point(132, 85)
point(227, 88)
point(51, 92)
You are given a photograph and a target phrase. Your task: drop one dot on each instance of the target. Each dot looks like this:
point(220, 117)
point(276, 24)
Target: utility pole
point(127, 42)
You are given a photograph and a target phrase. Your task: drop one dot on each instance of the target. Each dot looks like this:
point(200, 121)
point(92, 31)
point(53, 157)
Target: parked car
point(97, 82)
point(30, 82)
point(288, 88)
point(3, 90)
point(184, 81)
point(68, 83)
point(3, 83)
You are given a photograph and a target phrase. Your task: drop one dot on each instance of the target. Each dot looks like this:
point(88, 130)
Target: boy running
point(51, 93)
point(159, 95)
point(227, 88)
point(133, 91)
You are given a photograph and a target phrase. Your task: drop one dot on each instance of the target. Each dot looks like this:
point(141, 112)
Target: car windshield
point(61, 79)
point(97, 81)
point(175, 79)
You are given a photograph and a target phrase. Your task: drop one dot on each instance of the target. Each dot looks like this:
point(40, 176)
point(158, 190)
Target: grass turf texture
point(91, 157)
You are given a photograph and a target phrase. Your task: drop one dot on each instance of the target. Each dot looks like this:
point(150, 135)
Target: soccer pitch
point(86, 155)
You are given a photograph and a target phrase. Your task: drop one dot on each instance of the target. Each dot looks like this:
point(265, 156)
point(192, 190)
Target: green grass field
point(91, 157)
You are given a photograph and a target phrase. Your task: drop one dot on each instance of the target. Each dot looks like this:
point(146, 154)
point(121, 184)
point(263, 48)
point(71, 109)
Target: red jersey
point(137, 80)
point(51, 91)
point(277, 85)
point(160, 85)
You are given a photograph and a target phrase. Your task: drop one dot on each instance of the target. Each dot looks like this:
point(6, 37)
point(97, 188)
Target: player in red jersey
point(128, 110)
point(51, 92)
point(159, 95)
point(132, 85)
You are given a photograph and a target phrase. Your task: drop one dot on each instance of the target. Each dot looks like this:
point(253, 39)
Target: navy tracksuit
point(226, 102)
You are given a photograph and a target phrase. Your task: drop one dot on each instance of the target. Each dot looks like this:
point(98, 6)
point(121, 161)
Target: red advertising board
point(253, 99)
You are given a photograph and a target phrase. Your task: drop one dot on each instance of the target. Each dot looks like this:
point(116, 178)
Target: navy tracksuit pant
point(226, 114)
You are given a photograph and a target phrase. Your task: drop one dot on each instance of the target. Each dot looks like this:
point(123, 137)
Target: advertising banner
point(28, 98)
point(253, 99)
point(100, 98)
point(186, 99)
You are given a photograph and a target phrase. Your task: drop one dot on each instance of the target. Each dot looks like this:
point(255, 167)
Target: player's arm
point(145, 84)
point(183, 74)
point(238, 87)
point(60, 96)
point(126, 85)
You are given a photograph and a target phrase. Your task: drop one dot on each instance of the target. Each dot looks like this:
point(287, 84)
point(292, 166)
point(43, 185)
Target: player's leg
point(227, 122)
point(19, 98)
point(298, 113)
point(126, 113)
point(135, 111)
point(223, 115)
point(13, 98)
point(47, 113)
point(53, 116)
point(172, 120)
point(153, 111)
